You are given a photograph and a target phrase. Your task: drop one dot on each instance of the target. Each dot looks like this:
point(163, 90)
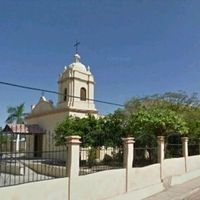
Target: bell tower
point(76, 87)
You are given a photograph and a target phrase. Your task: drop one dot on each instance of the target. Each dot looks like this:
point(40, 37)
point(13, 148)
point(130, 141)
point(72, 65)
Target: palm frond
point(11, 109)
point(11, 118)
point(16, 114)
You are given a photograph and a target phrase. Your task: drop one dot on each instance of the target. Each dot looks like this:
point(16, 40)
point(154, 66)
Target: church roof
point(23, 129)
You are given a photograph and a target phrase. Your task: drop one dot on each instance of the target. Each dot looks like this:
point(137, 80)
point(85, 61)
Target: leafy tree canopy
point(144, 118)
point(146, 124)
point(88, 128)
point(187, 107)
point(94, 132)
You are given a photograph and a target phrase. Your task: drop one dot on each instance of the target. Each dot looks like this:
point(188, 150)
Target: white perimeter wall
point(173, 167)
point(56, 189)
point(144, 176)
point(100, 185)
point(193, 163)
point(105, 184)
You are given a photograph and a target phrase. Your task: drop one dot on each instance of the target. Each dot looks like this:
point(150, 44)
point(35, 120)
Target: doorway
point(38, 140)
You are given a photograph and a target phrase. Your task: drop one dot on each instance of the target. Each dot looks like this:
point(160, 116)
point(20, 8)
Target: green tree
point(114, 129)
point(176, 101)
point(192, 117)
point(95, 132)
point(147, 124)
point(185, 106)
point(16, 114)
point(144, 118)
point(89, 128)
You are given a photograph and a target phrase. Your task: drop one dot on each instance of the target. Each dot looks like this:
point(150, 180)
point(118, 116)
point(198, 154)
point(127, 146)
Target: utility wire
point(54, 92)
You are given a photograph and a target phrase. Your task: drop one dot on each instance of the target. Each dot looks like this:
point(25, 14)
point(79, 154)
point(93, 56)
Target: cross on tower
point(76, 45)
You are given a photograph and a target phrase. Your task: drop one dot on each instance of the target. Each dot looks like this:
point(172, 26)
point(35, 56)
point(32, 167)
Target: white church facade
point(75, 98)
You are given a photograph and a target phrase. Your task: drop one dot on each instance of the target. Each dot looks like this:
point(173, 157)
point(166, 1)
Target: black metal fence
point(37, 158)
point(193, 149)
point(30, 160)
point(144, 156)
point(100, 159)
point(173, 150)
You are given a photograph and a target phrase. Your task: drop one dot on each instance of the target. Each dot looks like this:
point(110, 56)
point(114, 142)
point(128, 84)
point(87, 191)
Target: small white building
point(75, 98)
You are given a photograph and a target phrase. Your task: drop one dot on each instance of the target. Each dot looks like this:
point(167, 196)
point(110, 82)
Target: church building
point(75, 98)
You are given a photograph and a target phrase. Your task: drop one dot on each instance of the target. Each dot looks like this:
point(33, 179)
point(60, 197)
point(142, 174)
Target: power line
point(54, 92)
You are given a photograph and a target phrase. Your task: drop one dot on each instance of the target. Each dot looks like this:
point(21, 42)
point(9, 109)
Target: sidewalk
point(187, 191)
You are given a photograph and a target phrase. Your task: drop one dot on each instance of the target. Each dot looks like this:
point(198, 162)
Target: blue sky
point(133, 47)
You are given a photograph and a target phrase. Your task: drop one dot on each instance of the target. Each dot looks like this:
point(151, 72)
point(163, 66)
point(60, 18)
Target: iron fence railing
point(100, 159)
point(173, 150)
point(37, 158)
point(28, 162)
point(144, 156)
point(19, 168)
point(193, 149)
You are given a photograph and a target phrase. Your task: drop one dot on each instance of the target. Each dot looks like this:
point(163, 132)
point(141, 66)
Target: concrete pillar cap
point(184, 139)
point(128, 140)
point(160, 138)
point(73, 139)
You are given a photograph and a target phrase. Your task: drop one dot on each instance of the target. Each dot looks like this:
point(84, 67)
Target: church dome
point(77, 65)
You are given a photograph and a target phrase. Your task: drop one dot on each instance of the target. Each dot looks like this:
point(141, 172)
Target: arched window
point(65, 95)
point(83, 94)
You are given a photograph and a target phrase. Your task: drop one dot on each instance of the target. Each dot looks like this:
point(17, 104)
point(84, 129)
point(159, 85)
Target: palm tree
point(16, 115)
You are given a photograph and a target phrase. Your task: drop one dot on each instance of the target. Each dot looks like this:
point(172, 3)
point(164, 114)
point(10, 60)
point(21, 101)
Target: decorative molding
point(55, 111)
point(75, 78)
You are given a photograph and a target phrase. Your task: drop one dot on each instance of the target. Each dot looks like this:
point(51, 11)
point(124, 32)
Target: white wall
point(173, 167)
point(144, 176)
point(44, 190)
point(105, 184)
point(193, 163)
point(100, 185)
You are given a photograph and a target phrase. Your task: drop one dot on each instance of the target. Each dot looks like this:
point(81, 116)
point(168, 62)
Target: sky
point(133, 47)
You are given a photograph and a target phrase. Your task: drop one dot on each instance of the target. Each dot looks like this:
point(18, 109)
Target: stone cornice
point(60, 110)
point(74, 78)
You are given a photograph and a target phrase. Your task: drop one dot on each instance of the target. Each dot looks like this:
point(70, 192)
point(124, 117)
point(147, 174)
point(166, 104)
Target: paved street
point(186, 191)
point(195, 195)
